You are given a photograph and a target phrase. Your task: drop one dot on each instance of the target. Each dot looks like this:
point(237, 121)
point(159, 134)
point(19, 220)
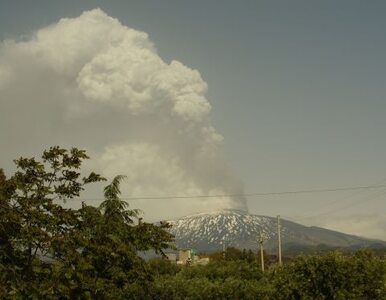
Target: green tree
point(114, 209)
point(108, 264)
point(32, 216)
point(48, 251)
point(331, 276)
point(232, 253)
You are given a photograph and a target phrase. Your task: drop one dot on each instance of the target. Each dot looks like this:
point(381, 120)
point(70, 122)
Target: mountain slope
point(210, 231)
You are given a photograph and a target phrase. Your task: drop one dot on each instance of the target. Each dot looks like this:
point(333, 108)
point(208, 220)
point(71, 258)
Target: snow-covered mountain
point(210, 231)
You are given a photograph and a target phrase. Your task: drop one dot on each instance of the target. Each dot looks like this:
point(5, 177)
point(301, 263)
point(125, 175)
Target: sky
point(207, 98)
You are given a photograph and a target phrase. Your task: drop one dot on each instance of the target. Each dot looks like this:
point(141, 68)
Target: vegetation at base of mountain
point(51, 252)
point(232, 253)
point(333, 275)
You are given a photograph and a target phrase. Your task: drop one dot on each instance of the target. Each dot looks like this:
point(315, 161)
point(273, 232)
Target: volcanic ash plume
point(92, 82)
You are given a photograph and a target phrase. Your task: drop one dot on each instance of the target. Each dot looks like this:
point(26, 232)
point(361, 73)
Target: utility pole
point(223, 250)
point(261, 241)
point(279, 238)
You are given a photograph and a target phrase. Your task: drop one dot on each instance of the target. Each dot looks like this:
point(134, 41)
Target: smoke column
point(94, 83)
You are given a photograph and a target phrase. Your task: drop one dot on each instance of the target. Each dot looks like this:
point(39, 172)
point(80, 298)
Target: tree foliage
point(329, 276)
point(332, 276)
point(48, 251)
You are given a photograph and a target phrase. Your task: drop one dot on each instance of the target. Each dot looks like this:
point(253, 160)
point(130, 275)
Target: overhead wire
point(325, 190)
point(340, 200)
point(355, 203)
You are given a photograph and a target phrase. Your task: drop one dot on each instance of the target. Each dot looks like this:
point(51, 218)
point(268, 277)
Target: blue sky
point(297, 89)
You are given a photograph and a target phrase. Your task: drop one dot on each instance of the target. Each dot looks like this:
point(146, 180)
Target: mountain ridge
point(213, 230)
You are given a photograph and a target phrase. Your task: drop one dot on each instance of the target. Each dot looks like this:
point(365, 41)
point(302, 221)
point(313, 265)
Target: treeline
point(335, 275)
point(48, 251)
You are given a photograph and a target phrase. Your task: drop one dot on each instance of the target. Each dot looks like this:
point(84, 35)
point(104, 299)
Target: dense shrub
point(203, 288)
point(221, 270)
point(331, 276)
point(162, 266)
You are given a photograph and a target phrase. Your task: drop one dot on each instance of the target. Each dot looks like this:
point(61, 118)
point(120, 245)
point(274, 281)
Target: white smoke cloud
point(5, 76)
point(152, 174)
point(93, 82)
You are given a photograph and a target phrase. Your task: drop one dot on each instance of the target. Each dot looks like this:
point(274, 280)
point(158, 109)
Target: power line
point(249, 194)
point(360, 201)
point(340, 200)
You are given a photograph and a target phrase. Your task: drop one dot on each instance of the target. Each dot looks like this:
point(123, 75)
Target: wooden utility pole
point(261, 241)
point(279, 238)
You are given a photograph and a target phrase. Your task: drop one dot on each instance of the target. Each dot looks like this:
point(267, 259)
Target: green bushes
point(331, 276)
point(203, 288)
point(224, 269)
point(233, 279)
point(161, 266)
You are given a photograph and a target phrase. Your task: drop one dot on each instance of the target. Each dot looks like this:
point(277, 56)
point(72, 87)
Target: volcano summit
point(212, 231)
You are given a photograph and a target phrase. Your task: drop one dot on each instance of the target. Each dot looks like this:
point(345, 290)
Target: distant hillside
point(210, 231)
